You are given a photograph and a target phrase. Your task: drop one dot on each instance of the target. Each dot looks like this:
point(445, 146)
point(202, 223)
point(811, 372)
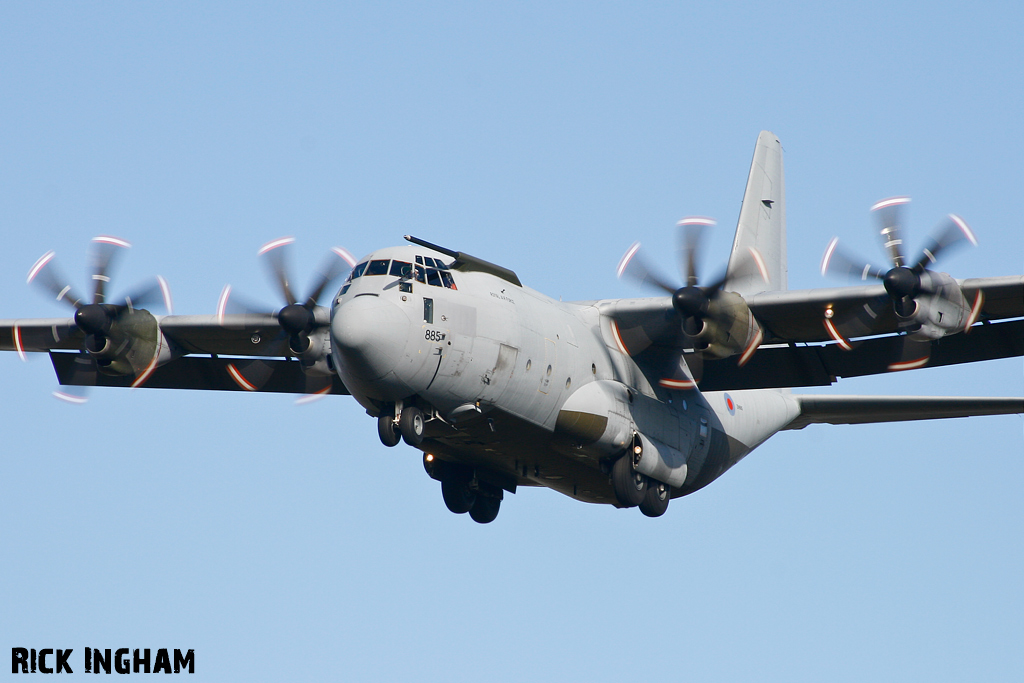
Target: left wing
point(799, 315)
point(797, 349)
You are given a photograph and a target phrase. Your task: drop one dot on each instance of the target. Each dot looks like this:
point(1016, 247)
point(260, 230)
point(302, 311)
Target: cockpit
point(427, 270)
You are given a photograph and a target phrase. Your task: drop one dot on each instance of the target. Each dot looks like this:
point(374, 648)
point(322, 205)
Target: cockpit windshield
point(428, 271)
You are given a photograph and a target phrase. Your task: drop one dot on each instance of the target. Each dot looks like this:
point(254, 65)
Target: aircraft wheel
point(457, 496)
point(389, 436)
point(485, 509)
point(655, 501)
point(630, 486)
point(411, 425)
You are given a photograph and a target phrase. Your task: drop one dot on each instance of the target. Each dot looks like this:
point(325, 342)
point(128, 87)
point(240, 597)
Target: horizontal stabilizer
point(868, 409)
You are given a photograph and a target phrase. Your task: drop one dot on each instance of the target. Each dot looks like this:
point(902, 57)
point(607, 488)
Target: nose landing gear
point(386, 429)
point(408, 427)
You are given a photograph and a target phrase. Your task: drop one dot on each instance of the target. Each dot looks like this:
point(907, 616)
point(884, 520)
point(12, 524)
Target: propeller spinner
point(928, 304)
point(108, 340)
point(296, 318)
point(715, 322)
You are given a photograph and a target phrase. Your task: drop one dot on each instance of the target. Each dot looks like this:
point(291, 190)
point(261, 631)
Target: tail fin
point(762, 224)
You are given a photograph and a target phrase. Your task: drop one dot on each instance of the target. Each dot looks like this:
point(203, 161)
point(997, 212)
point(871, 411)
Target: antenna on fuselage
point(429, 245)
point(465, 262)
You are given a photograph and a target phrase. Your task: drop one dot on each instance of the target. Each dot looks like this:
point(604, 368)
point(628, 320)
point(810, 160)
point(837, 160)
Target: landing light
point(638, 449)
point(429, 457)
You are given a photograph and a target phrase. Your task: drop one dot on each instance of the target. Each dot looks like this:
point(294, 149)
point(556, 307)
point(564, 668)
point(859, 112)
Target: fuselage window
point(433, 278)
point(401, 268)
point(378, 267)
point(447, 279)
point(358, 270)
point(428, 310)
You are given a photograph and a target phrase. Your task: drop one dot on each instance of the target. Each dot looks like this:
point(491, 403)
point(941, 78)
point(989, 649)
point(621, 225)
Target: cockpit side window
point(378, 267)
point(433, 278)
point(419, 273)
point(358, 270)
point(447, 279)
point(401, 269)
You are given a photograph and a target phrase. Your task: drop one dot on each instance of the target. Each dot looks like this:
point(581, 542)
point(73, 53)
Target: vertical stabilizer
point(762, 224)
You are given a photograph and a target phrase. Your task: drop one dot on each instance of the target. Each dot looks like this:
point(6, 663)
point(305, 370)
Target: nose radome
point(370, 335)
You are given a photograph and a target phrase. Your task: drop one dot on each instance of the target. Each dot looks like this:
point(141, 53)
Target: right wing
point(228, 353)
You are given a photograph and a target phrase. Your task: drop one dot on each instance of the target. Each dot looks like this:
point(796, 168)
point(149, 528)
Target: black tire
point(457, 496)
point(656, 499)
point(629, 485)
point(411, 425)
point(485, 509)
point(389, 436)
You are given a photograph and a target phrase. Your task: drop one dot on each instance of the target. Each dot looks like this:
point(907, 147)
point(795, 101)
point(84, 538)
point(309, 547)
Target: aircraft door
point(495, 379)
point(459, 323)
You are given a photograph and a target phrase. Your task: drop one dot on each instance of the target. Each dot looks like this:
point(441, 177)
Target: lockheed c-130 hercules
point(627, 402)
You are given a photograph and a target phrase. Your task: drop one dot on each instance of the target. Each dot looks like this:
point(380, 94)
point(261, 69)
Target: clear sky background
point(285, 543)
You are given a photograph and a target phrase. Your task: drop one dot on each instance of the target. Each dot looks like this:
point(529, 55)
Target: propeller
point(715, 321)
point(904, 281)
point(97, 318)
point(296, 318)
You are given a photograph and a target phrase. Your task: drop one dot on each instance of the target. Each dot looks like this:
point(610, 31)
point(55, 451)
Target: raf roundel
point(730, 404)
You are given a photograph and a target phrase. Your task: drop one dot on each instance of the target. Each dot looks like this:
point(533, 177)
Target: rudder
point(762, 224)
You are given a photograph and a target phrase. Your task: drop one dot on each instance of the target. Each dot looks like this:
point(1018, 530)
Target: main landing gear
point(462, 492)
point(633, 489)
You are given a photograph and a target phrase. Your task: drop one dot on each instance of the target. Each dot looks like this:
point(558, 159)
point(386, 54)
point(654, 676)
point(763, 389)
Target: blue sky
point(286, 542)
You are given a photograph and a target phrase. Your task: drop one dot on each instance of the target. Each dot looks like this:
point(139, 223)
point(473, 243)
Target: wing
point(799, 315)
point(797, 349)
point(227, 353)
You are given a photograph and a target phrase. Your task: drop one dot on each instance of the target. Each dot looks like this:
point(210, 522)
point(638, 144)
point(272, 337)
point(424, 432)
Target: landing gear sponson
point(463, 492)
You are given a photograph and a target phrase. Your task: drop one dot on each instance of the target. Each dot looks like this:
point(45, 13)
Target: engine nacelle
point(729, 327)
point(131, 346)
point(942, 311)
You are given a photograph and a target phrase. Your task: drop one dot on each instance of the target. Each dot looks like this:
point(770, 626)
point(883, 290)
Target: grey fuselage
point(532, 390)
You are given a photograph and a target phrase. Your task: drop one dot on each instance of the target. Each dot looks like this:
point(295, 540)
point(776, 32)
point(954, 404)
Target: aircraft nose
point(369, 333)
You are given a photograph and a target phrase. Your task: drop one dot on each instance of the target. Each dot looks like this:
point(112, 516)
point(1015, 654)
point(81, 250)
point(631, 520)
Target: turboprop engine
point(722, 327)
point(118, 338)
point(716, 322)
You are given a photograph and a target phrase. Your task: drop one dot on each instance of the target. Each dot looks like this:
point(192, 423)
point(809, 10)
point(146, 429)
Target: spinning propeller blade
point(296, 319)
point(903, 283)
point(698, 306)
point(97, 319)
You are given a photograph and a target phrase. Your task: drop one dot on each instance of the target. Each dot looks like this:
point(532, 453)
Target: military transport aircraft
point(628, 402)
